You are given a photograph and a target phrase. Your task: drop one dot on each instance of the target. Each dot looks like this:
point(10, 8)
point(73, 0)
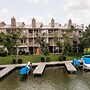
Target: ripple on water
point(54, 78)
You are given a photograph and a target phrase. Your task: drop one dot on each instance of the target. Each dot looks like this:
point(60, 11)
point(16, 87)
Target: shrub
point(42, 59)
point(26, 53)
point(47, 59)
point(3, 53)
point(62, 58)
point(14, 61)
point(19, 60)
point(46, 52)
point(0, 53)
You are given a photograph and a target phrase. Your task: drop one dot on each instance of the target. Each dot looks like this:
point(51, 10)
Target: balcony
point(31, 43)
point(56, 33)
point(44, 34)
point(50, 34)
point(30, 34)
point(51, 41)
point(35, 34)
point(23, 44)
point(35, 44)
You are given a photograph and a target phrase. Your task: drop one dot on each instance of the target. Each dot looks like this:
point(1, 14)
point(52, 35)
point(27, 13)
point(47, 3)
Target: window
point(21, 41)
point(30, 30)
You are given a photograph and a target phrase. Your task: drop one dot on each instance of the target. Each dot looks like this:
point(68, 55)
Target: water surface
point(54, 78)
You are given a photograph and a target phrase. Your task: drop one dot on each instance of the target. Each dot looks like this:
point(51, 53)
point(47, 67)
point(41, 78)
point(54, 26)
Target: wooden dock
point(6, 70)
point(39, 69)
point(70, 68)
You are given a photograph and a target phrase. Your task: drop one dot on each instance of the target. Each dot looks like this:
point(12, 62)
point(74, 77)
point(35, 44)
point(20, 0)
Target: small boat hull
point(76, 63)
point(86, 62)
point(25, 70)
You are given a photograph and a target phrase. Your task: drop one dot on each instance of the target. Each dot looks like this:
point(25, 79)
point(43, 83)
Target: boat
point(76, 63)
point(25, 70)
point(86, 61)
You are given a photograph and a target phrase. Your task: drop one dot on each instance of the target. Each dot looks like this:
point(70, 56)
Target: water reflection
point(24, 78)
point(54, 78)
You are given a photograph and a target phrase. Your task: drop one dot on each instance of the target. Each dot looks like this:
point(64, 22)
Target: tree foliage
point(58, 42)
point(43, 45)
point(67, 41)
point(85, 39)
point(9, 40)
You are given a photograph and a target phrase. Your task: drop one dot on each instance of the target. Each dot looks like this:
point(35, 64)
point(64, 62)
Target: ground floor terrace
point(36, 49)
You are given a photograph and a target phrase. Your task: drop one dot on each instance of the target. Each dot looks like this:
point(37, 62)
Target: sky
point(44, 10)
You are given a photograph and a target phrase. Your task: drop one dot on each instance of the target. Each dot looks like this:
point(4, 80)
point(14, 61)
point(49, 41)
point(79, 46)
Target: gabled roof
point(78, 27)
point(2, 23)
point(75, 26)
point(20, 24)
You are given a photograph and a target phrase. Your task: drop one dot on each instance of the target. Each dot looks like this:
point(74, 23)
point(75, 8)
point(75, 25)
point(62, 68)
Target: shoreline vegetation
point(37, 58)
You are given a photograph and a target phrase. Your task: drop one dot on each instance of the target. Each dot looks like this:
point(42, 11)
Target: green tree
point(15, 39)
point(43, 45)
point(6, 41)
point(75, 40)
point(58, 42)
point(1, 38)
point(10, 41)
point(67, 41)
point(85, 39)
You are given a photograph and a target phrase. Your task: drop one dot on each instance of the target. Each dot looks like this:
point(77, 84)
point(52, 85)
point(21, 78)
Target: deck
point(70, 67)
point(39, 69)
point(6, 70)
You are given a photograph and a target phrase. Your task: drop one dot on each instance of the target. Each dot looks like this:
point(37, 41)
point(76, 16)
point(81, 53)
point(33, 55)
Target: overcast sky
point(44, 10)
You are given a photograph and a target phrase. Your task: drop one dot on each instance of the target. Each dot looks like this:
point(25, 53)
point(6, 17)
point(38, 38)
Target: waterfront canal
point(53, 78)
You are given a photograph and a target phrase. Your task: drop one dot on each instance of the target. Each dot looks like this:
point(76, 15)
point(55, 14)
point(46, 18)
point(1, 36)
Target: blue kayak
point(24, 70)
point(76, 62)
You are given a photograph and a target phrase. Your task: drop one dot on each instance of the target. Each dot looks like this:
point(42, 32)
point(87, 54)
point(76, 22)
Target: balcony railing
point(50, 34)
point(23, 44)
point(30, 34)
point(30, 43)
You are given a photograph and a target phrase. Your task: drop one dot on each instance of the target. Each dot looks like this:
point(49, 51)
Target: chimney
point(13, 21)
point(70, 23)
point(52, 22)
point(33, 22)
point(82, 25)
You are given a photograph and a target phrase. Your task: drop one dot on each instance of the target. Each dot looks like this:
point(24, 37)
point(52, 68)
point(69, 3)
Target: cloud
point(4, 11)
point(39, 18)
point(85, 17)
point(50, 16)
point(77, 4)
point(37, 1)
point(73, 17)
point(78, 11)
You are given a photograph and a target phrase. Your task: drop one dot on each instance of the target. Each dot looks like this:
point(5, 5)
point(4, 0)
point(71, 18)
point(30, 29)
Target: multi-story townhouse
point(27, 40)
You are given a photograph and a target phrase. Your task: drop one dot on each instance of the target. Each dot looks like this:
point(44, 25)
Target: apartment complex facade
point(29, 33)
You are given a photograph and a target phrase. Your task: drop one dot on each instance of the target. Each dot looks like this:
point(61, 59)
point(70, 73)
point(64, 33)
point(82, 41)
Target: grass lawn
point(87, 50)
point(36, 58)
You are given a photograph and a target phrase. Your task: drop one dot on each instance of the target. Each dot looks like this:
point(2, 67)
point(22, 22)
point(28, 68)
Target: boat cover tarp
point(86, 60)
point(76, 62)
point(24, 70)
